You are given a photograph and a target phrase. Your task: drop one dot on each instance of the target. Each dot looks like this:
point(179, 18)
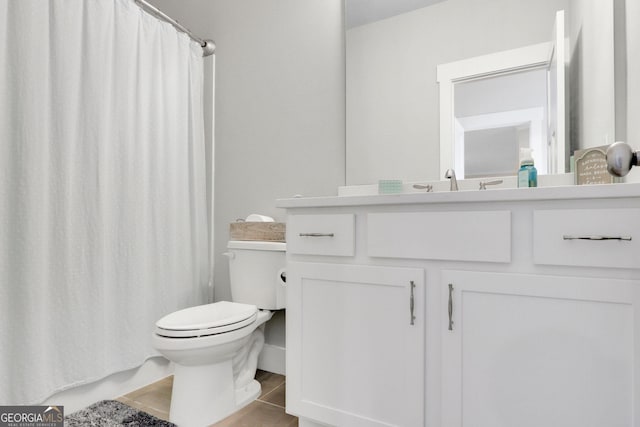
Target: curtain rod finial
point(208, 47)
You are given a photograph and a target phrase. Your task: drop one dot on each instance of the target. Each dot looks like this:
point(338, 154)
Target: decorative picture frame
point(591, 166)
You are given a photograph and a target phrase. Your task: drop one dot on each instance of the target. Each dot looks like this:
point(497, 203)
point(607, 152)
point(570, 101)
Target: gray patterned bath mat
point(111, 413)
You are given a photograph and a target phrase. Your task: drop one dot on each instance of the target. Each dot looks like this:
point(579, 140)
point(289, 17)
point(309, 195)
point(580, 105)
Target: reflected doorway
point(494, 117)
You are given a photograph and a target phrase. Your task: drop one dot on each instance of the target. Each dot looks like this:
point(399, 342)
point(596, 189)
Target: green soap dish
point(389, 186)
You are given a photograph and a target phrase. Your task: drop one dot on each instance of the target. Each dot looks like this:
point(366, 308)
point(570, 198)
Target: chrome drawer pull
point(625, 238)
point(316, 234)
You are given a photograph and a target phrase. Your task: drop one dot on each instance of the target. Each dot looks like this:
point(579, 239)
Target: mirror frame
point(514, 60)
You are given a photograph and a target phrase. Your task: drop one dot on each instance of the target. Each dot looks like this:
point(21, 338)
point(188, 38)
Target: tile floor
point(266, 411)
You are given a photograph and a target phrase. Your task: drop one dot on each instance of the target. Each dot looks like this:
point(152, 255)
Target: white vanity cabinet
point(527, 306)
point(355, 344)
point(355, 333)
point(529, 350)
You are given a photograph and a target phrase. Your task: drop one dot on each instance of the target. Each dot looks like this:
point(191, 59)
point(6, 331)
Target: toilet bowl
point(215, 347)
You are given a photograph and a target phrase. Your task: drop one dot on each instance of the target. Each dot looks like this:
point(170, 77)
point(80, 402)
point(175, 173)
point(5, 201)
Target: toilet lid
point(208, 319)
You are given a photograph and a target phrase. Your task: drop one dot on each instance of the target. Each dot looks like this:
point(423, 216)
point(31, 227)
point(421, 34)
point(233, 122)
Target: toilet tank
point(256, 273)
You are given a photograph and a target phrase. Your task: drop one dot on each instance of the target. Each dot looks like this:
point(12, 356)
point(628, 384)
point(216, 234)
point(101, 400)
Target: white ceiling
point(360, 12)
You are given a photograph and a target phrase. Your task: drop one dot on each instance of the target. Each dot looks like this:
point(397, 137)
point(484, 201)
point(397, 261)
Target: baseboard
point(305, 422)
point(272, 359)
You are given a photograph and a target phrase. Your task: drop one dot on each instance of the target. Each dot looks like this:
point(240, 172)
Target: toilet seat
point(205, 320)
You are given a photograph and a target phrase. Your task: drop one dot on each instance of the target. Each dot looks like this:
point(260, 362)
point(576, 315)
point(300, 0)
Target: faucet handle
point(427, 187)
point(483, 185)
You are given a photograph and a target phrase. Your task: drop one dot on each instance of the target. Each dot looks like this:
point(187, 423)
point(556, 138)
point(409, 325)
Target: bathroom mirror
point(393, 96)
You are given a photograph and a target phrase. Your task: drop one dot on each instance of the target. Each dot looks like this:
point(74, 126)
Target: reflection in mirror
point(494, 118)
point(503, 100)
point(392, 94)
point(510, 100)
point(361, 12)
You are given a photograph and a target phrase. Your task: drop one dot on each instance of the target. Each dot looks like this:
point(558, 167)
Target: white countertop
point(568, 192)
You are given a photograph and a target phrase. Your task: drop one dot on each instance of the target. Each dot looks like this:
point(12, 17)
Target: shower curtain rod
point(208, 46)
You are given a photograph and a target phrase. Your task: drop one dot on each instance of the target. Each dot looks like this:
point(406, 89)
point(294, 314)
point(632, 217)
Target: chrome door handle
point(569, 237)
point(450, 307)
point(316, 234)
point(412, 303)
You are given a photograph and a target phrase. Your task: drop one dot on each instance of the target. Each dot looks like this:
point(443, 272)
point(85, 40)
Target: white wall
point(633, 82)
point(491, 152)
point(392, 94)
point(592, 73)
point(633, 71)
point(279, 114)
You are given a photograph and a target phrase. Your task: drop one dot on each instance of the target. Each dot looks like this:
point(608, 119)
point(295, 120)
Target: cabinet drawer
point(457, 236)
point(590, 238)
point(321, 234)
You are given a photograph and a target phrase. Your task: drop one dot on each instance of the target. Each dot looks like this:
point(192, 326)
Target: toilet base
point(207, 393)
point(247, 394)
point(197, 401)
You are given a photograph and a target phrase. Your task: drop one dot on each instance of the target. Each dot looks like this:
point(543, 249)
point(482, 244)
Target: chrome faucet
point(451, 174)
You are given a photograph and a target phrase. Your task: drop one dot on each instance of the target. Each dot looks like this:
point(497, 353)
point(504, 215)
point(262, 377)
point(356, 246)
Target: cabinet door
point(355, 356)
point(526, 350)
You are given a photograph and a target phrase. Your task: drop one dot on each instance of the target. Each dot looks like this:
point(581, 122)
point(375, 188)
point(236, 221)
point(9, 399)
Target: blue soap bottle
point(527, 175)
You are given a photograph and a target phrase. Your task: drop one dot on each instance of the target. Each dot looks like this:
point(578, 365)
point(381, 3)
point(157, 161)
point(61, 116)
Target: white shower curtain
point(103, 223)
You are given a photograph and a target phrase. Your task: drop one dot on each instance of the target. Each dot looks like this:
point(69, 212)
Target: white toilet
point(215, 347)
